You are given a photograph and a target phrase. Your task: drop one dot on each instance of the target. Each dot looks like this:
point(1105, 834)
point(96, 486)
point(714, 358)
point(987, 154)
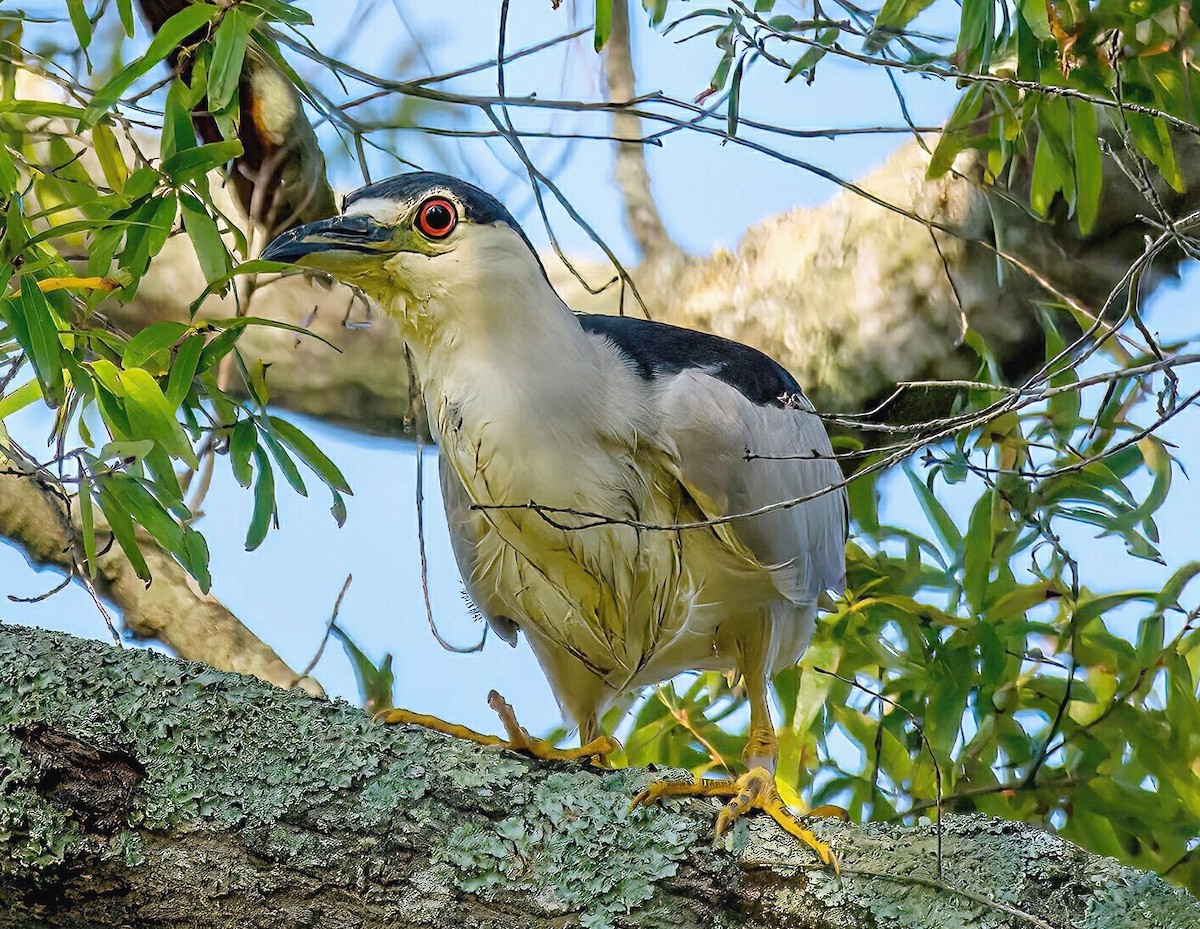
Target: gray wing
point(467, 527)
point(713, 426)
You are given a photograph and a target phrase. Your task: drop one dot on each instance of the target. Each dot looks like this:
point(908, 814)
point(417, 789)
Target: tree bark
point(137, 789)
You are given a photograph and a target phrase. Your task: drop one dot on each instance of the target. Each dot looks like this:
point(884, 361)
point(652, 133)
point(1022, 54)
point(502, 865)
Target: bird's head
point(423, 245)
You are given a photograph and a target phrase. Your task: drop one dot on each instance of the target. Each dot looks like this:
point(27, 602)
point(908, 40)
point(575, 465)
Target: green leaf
point(150, 413)
point(192, 163)
point(183, 369)
point(8, 171)
point(976, 35)
point(193, 555)
point(1089, 165)
point(338, 509)
point(1054, 125)
point(124, 451)
point(374, 684)
point(735, 97)
point(806, 62)
point(721, 75)
point(139, 503)
point(125, 8)
point(1063, 408)
point(108, 153)
point(27, 393)
point(1158, 462)
point(863, 497)
point(229, 50)
point(121, 525)
point(283, 459)
point(959, 131)
point(1153, 139)
point(192, 17)
point(108, 375)
point(1029, 53)
point(256, 266)
point(87, 523)
point(256, 381)
point(280, 11)
point(242, 443)
point(240, 322)
point(150, 341)
point(80, 22)
point(141, 182)
point(308, 452)
point(148, 230)
point(1172, 590)
point(1093, 607)
point(206, 238)
point(264, 501)
point(1047, 177)
point(45, 108)
point(977, 553)
point(943, 525)
point(35, 327)
point(1016, 603)
point(657, 10)
point(178, 132)
point(1150, 636)
point(218, 348)
point(603, 23)
point(952, 676)
point(891, 20)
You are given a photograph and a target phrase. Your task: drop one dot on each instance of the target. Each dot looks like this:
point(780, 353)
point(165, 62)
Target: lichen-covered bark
point(136, 789)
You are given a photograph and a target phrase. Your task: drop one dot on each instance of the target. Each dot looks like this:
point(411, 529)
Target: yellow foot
point(754, 790)
point(518, 739)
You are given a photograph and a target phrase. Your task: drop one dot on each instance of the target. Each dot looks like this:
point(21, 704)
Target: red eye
point(437, 218)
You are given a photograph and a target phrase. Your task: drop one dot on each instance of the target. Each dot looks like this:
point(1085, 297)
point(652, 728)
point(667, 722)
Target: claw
point(754, 790)
point(519, 740)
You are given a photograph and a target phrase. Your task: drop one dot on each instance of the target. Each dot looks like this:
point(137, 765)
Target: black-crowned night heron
point(644, 424)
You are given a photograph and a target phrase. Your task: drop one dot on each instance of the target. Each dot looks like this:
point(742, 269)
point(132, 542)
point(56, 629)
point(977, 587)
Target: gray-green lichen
point(993, 874)
point(258, 805)
point(583, 853)
point(276, 768)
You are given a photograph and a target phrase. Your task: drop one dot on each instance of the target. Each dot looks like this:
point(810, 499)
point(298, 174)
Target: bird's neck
point(507, 342)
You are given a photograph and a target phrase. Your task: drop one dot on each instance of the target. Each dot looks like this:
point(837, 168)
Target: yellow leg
point(519, 740)
point(754, 790)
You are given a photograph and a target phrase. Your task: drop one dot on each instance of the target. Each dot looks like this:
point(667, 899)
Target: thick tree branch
point(633, 178)
point(143, 790)
point(172, 609)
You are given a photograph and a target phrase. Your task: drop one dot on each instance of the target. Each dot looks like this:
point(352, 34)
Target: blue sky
point(709, 194)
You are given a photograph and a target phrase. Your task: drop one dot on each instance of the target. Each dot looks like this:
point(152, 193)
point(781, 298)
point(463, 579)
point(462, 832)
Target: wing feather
point(715, 427)
point(467, 528)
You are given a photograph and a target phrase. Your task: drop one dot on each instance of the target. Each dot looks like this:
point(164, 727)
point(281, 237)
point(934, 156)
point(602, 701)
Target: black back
point(657, 349)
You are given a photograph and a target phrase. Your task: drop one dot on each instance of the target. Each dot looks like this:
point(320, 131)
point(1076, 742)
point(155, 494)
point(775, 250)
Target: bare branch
point(171, 609)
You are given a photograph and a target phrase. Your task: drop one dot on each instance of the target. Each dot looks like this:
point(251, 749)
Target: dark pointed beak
point(340, 233)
